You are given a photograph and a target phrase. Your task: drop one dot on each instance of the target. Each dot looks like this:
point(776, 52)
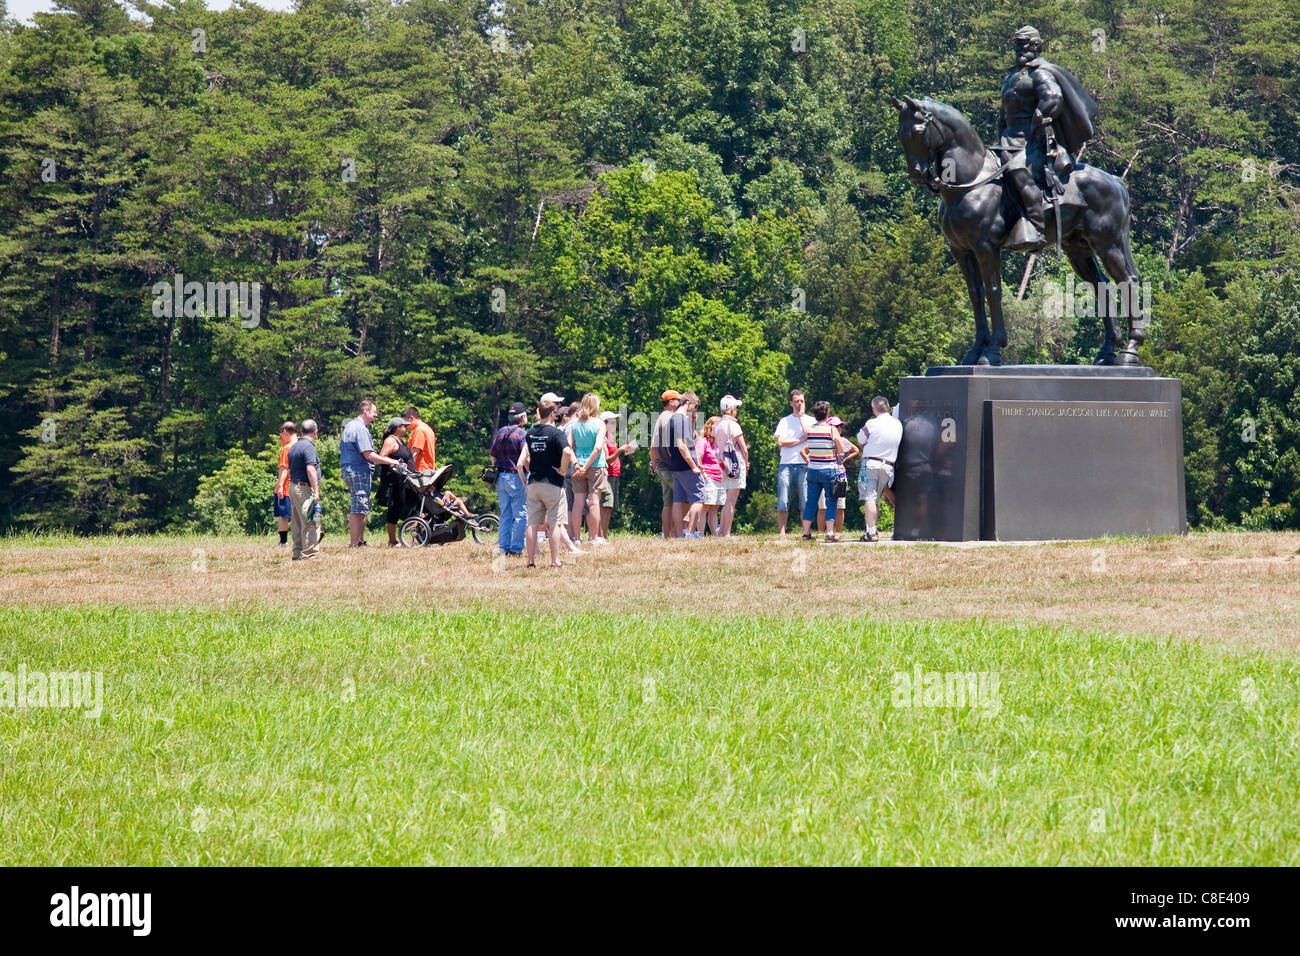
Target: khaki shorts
point(666, 481)
point(873, 479)
point(545, 504)
point(591, 486)
point(713, 493)
point(609, 500)
point(738, 481)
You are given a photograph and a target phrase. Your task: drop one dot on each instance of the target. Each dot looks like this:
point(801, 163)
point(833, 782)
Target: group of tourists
point(814, 454)
point(408, 443)
point(703, 472)
point(552, 477)
point(563, 469)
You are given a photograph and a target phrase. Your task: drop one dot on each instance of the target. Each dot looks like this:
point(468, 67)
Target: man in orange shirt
point(420, 440)
point(283, 507)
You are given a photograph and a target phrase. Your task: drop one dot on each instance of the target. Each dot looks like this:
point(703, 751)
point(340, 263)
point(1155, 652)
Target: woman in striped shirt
point(823, 468)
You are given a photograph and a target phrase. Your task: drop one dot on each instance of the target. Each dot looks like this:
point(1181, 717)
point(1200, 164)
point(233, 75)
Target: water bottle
point(316, 512)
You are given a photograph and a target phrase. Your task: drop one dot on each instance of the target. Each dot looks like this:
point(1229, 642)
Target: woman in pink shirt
point(711, 465)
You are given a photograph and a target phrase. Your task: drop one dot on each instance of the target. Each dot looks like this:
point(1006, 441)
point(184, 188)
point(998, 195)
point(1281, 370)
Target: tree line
point(460, 203)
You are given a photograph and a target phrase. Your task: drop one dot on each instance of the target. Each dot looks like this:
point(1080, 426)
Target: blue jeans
point(512, 500)
point(788, 478)
point(819, 480)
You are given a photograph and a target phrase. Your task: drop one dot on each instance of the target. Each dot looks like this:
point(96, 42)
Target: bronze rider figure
point(1045, 120)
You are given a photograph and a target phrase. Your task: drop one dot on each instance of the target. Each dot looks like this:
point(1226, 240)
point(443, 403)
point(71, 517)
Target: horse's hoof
point(973, 353)
point(1104, 358)
point(983, 360)
point(1128, 355)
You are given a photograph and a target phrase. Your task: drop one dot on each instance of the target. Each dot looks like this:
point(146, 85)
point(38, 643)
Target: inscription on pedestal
point(1078, 469)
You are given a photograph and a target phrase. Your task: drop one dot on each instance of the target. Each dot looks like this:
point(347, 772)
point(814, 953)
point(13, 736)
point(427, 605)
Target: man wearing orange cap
point(660, 442)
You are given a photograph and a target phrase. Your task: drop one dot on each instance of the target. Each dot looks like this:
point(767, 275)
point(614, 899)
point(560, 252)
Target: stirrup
point(1024, 237)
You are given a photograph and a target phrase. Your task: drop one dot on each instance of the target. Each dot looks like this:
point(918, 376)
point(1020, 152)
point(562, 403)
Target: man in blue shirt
point(357, 460)
point(511, 491)
point(688, 479)
point(303, 466)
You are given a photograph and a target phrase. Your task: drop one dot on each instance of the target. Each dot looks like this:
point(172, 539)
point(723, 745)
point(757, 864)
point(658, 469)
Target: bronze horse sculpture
point(976, 214)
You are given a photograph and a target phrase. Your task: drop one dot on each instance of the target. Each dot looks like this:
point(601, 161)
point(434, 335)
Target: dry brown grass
point(1224, 588)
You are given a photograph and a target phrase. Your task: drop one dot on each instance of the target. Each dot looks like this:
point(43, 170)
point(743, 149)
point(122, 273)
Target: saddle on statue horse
point(1053, 190)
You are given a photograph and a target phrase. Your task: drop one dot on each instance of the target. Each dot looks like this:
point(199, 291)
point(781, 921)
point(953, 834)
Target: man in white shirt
point(879, 439)
point(792, 474)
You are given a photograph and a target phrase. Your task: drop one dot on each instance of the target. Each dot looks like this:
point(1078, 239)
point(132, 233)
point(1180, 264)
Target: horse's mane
point(952, 117)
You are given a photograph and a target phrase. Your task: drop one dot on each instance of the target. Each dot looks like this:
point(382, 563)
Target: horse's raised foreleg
point(975, 287)
point(989, 258)
point(1118, 260)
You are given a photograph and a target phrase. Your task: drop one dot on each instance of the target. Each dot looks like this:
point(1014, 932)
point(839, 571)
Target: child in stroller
point(442, 517)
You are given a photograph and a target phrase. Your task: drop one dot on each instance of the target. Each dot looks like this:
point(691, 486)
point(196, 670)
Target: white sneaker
point(597, 542)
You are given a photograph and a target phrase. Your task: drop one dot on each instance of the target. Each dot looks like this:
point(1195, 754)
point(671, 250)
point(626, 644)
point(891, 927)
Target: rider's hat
point(1028, 33)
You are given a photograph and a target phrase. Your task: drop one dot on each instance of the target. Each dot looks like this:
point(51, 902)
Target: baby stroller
point(439, 520)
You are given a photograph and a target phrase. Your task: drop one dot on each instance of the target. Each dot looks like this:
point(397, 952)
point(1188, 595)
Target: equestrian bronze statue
point(1030, 190)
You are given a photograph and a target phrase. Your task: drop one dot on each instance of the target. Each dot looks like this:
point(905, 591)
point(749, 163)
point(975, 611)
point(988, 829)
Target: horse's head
point(921, 137)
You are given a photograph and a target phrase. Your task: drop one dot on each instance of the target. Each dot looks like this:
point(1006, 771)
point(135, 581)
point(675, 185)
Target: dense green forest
point(458, 204)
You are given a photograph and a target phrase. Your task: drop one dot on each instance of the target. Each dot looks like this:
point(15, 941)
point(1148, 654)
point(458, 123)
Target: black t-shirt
point(302, 454)
point(386, 474)
point(546, 445)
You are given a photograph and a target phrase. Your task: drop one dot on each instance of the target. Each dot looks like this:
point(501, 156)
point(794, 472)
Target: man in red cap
point(660, 442)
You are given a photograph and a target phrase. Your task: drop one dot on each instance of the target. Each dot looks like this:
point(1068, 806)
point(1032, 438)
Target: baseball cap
point(394, 422)
point(670, 395)
point(729, 401)
point(551, 397)
point(835, 421)
point(606, 416)
point(518, 409)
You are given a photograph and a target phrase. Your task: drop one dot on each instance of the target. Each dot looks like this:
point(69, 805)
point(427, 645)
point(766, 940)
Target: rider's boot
point(1024, 237)
point(1027, 234)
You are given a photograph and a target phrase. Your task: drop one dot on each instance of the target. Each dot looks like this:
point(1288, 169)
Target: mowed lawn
point(257, 735)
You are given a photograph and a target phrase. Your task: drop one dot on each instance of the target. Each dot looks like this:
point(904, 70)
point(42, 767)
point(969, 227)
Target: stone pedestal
point(1030, 452)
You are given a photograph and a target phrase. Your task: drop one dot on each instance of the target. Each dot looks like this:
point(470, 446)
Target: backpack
point(730, 461)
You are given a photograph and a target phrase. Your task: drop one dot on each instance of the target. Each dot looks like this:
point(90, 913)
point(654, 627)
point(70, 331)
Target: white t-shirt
point(792, 427)
point(879, 438)
point(726, 431)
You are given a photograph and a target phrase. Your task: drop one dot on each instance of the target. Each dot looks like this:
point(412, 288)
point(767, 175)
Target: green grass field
point(334, 737)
